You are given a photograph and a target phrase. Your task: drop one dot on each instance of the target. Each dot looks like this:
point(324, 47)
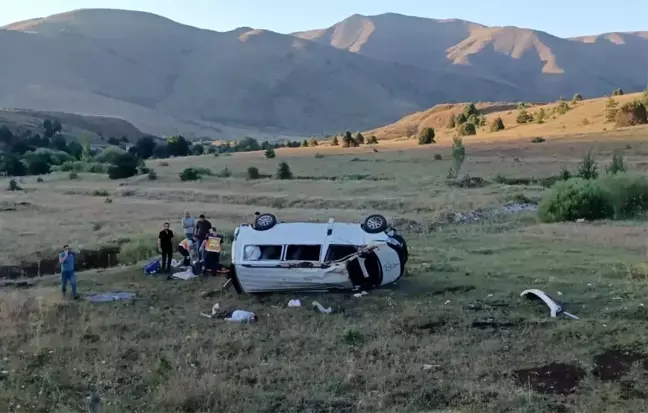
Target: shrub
point(588, 168)
point(359, 138)
point(100, 192)
point(565, 174)
point(335, 141)
point(318, 156)
point(372, 140)
point(458, 157)
point(470, 110)
point(575, 199)
point(538, 139)
point(313, 142)
point(109, 155)
point(123, 166)
point(497, 125)
point(438, 157)
point(152, 175)
point(426, 136)
point(253, 172)
point(617, 92)
point(461, 119)
point(617, 165)
point(348, 141)
point(523, 115)
point(73, 175)
point(39, 179)
point(270, 153)
point(631, 114)
point(628, 194)
point(224, 173)
point(540, 116)
point(577, 98)
point(189, 174)
point(563, 107)
point(611, 109)
point(467, 129)
point(283, 171)
point(204, 171)
point(164, 163)
point(13, 185)
point(304, 143)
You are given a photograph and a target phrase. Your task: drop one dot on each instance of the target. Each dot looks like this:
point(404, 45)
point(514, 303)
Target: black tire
point(375, 224)
point(264, 222)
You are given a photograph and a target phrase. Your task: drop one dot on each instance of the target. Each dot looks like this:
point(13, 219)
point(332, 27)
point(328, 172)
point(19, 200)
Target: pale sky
point(564, 18)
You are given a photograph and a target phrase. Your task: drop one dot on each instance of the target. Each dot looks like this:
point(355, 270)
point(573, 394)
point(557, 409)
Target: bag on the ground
point(152, 267)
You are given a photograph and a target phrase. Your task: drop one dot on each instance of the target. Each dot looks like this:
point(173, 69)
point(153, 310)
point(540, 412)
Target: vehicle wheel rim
point(374, 223)
point(265, 220)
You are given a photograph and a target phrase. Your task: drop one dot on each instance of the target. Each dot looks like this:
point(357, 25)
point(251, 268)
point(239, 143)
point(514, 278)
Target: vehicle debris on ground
point(555, 309)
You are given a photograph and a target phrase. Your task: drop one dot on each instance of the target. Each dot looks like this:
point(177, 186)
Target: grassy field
point(452, 336)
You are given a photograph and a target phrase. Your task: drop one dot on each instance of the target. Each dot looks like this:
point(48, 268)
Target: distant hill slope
point(547, 66)
point(94, 127)
point(582, 117)
point(144, 67)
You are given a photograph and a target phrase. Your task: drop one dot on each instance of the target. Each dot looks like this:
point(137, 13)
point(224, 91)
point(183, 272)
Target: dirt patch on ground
point(554, 378)
point(613, 364)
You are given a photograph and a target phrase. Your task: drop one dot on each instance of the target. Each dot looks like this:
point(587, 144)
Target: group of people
point(201, 244)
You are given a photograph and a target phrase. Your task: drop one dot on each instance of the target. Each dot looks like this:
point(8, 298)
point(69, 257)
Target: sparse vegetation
point(270, 153)
point(538, 139)
point(458, 158)
point(224, 173)
point(588, 168)
point(611, 109)
point(372, 140)
point(523, 115)
point(497, 125)
point(152, 175)
point(617, 165)
point(562, 107)
point(253, 173)
point(359, 138)
point(467, 129)
point(617, 92)
point(426, 136)
point(451, 122)
point(577, 98)
point(348, 141)
point(335, 141)
point(13, 185)
point(284, 172)
point(631, 114)
point(189, 174)
point(540, 116)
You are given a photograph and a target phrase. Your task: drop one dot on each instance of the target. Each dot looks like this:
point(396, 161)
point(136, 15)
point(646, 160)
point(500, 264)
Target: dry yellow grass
point(584, 117)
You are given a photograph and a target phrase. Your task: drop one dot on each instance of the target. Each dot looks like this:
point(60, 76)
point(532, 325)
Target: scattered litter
point(214, 311)
point(360, 294)
point(184, 275)
point(447, 302)
point(240, 316)
point(430, 366)
point(579, 220)
point(554, 308)
point(4, 374)
point(321, 308)
point(106, 297)
point(176, 263)
point(294, 303)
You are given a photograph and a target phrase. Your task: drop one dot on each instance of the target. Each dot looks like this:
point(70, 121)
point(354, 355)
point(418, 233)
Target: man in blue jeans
point(67, 260)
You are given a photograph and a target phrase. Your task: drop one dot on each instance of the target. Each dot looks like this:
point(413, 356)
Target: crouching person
point(184, 248)
point(212, 247)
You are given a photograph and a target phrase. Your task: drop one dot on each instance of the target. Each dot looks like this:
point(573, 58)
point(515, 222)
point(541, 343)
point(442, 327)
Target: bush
point(189, 174)
point(461, 119)
point(426, 136)
point(467, 129)
point(224, 173)
point(335, 141)
point(540, 116)
point(631, 114)
point(538, 139)
point(497, 125)
point(253, 172)
point(270, 153)
point(152, 175)
point(13, 185)
point(563, 107)
point(617, 92)
point(359, 138)
point(588, 168)
point(617, 165)
point(204, 171)
point(438, 157)
point(577, 98)
point(123, 166)
point(523, 115)
point(100, 192)
point(39, 179)
point(283, 171)
point(458, 157)
point(575, 199)
point(372, 140)
point(611, 109)
point(348, 141)
point(109, 155)
point(628, 194)
point(73, 175)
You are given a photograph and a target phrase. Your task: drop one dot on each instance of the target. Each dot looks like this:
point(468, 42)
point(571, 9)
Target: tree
point(124, 166)
point(56, 126)
point(270, 153)
point(189, 174)
point(359, 138)
point(617, 165)
point(452, 122)
point(348, 141)
point(644, 97)
point(540, 116)
point(562, 107)
point(6, 137)
point(160, 151)
point(523, 116)
point(473, 119)
point(197, 149)
point(470, 110)
point(85, 145)
point(372, 140)
point(461, 119)
point(481, 120)
point(313, 142)
point(577, 98)
point(631, 114)
point(12, 166)
point(458, 157)
point(467, 129)
point(58, 142)
point(75, 149)
point(144, 147)
point(283, 171)
point(304, 143)
point(588, 169)
point(611, 109)
point(253, 172)
point(124, 139)
point(247, 144)
point(177, 146)
point(47, 126)
point(617, 92)
point(113, 141)
point(335, 141)
point(38, 165)
point(497, 125)
point(426, 136)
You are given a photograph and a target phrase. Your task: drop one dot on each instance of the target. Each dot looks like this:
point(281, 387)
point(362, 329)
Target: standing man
point(67, 259)
point(202, 230)
point(165, 245)
point(188, 224)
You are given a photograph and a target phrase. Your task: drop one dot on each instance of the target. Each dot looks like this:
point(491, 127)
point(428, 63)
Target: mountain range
point(366, 71)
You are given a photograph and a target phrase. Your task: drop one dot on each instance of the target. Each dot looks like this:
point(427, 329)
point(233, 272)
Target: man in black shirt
point(165, 244)
point(202, 230)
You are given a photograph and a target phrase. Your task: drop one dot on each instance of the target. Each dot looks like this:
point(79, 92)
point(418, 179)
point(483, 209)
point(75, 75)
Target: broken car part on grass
point(554, 308)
